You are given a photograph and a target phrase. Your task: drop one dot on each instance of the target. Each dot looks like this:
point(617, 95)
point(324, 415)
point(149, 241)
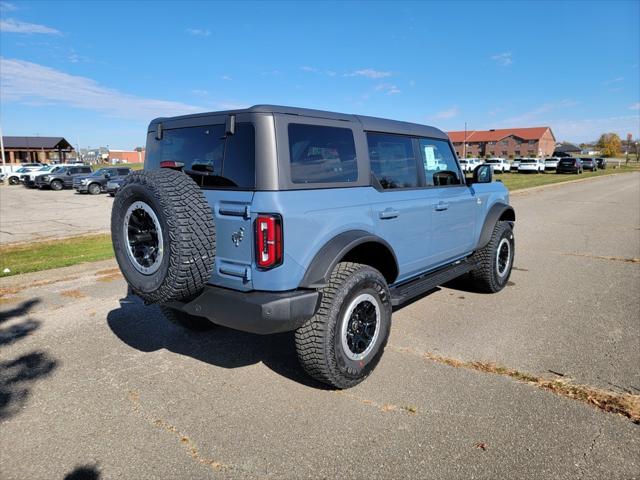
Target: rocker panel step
point(411, 289)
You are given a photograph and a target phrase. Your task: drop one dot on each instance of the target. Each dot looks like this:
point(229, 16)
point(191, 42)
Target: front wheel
point(343, 342)
point(495, 260)
point(56, 185)
point(13, 181)
point(94, 189)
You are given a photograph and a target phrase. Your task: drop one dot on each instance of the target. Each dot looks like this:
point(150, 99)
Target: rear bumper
point(255, 312)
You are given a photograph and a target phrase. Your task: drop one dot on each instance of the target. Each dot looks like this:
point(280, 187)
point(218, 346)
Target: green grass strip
point(34, 257)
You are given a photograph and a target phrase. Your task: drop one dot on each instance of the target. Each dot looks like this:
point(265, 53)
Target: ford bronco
point(273, 219)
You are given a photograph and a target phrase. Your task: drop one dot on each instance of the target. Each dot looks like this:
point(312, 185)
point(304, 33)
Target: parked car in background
point(62, 178)
point(113, 185)
point(29, 179)
point(602, 163)
point(499, 165)
point(515, 164)
point(531, 165)
point(97, 181)
point(569, 165)
point(589, 164)
point(551, 163)
point(14, 177)
point(470, 164)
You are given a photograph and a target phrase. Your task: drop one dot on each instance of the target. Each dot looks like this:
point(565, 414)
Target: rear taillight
point(171, 164)
point(268, 241)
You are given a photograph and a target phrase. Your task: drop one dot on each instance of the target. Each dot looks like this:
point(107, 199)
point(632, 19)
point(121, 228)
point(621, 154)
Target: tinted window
point(201, 151)
point(440, 167)
point(123, 171)
point(322, 154)
point(392, 160)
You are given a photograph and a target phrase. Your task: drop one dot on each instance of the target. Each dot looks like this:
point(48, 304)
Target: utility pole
point(464, 144)
point(4, 165)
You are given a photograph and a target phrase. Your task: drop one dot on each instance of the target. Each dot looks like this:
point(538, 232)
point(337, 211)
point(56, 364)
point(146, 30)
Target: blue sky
point(98, 72)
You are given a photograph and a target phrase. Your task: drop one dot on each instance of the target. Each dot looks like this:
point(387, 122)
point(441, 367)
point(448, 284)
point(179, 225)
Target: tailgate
point(234, 238)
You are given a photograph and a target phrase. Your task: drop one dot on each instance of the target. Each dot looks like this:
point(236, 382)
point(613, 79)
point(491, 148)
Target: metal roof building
point(36, 149)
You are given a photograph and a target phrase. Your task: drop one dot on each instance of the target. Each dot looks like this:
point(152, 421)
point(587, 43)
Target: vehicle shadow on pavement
point(146, 329)
point(18, 373)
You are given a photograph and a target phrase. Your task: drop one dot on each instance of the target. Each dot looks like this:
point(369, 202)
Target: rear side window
point(123, 171)
point(322, 154)
point(212, 159)
point(392, 160)
point(440, 167)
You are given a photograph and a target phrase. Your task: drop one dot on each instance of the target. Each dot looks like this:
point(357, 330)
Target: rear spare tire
point(163, 235)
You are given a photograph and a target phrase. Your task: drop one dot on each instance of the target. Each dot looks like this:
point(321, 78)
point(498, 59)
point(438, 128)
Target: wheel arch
point(356, 246)
point(498, 212)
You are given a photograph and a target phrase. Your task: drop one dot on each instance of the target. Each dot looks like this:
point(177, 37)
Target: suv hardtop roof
point(374, 124)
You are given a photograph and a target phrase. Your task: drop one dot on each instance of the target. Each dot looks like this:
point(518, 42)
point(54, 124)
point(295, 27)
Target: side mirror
point(107, 175)
point(482, 174)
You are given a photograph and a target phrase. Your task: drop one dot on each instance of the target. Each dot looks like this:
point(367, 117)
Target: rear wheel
point(495, 260)
point(344, 341)
point(56, 185)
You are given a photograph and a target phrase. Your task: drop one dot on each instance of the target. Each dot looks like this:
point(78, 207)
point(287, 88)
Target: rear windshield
point(322, 154)
point(211, 158)
point(528, 161)
point(566, 161)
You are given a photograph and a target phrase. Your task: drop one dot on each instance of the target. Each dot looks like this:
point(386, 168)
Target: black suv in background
point(97, 181)
point(569, 165)
point(602, 163)
point(589, 164)
point(62, 178)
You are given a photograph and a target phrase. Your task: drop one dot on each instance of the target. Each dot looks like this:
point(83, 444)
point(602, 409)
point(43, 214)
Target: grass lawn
point(38, 256)
point(518, 181)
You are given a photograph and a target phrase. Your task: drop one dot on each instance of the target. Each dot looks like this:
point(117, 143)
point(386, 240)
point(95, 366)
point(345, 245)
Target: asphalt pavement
point(92, 381)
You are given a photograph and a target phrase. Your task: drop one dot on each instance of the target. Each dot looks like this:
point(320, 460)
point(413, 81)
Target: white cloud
point(26, 82)
point(7, 7)
point(536, 113)
point(198, 32)
point(587, 130)
point(10, 25)
point(613, 80)
point(226, 77)
point(634, 106)
point(448, 113)
point(504, 59)
point(368, 73)
point(308, 69)
point(387, 88)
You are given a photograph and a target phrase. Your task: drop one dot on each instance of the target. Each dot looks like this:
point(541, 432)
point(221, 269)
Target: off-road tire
point(485, 277)
point(185, 320)
point(93, 189)
point(56, 185)
point(318, 341)
point(187, 231)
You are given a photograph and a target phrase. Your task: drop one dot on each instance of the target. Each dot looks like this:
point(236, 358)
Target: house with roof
point(504, 142)
point(36, 149)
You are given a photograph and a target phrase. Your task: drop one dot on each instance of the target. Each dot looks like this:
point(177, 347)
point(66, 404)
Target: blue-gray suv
point(273, 219)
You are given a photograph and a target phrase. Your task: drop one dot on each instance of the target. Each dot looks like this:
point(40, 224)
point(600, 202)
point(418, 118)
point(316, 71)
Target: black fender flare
point(496, 211)
point(320, 268)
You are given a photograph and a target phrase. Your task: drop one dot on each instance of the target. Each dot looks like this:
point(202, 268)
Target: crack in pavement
point(627, 405)
point(189, 445)
point(601, 257)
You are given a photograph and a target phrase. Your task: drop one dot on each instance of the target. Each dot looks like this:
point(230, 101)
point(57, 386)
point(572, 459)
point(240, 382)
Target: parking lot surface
point(29, 214)
point(91, 378)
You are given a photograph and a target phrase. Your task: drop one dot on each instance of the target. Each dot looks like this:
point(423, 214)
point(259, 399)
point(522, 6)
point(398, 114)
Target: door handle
point(440, 206)
point(388, 213)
